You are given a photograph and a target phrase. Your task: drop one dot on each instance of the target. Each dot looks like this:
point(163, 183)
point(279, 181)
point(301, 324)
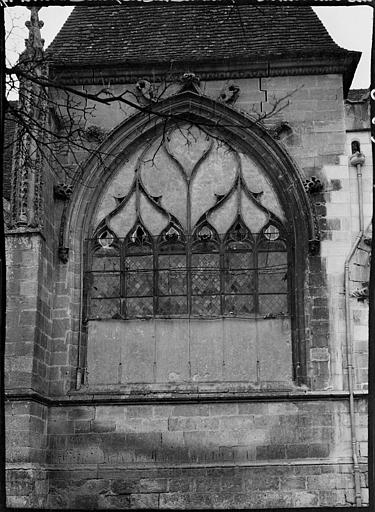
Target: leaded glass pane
point(207, 305)
point(173, 305)
point(106, 259)
point(203, 261)
point(273, 304)
point(272, 272)
point(239, 278)
point(272, 245)
point(172, 274)
point(105, 284)
point(139, 276)
point(104, 308)
point(238, 304)
point(139, 307)
point(204, 280)
point(272, 281)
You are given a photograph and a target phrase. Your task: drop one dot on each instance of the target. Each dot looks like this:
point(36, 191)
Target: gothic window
point(188, 271)
point(189, 261)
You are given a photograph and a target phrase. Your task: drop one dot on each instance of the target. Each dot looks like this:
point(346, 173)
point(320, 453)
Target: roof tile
point(187, 31)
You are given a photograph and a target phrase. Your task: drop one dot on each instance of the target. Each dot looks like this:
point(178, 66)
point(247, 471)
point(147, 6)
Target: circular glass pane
point(272, 233)
point(106, 239)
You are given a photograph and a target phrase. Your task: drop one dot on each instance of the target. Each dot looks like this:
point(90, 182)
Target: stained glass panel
point(204, 280)
point(106, 259)
point(272, 281)
point(139, 307)
point(273, 304)
point(208, 305)
point(240, 276)
point(139, 276)
point(104, 309)
point(105, 284)
point(139, 284)
point(239, 305)
point(173, 305)
point(272, 272)
point(172, 274)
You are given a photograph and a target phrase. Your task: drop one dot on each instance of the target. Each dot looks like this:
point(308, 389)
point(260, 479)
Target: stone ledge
point(86, 398)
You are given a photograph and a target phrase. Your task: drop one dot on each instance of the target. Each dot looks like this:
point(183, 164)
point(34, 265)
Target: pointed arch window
point(199, 232)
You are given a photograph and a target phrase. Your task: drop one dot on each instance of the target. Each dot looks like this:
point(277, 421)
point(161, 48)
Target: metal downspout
point(356, 160)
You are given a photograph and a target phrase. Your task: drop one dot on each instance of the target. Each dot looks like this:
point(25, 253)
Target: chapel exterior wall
point(262, 453)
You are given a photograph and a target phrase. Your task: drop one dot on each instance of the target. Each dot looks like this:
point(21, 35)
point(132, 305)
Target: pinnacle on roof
point(34, 43)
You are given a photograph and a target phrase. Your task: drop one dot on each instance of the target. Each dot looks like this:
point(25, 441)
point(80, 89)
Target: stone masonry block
point(319, 354)
point(191, 410)
point(270, 452)
point(223, 409)
point(194, 423)
point(139, 411)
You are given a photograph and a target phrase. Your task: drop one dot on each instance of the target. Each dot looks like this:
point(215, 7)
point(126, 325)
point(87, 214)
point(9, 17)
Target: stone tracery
point(178, 255)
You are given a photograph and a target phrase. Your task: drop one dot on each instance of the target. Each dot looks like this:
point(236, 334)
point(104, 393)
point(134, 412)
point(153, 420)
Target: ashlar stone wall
point(263, 450)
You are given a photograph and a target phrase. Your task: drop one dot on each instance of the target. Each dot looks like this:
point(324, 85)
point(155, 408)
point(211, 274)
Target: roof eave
point(343, 62)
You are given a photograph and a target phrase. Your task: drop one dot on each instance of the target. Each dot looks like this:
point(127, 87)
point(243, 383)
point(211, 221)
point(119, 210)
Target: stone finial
point(190, 82)
point(34, 43)
point(190, 78)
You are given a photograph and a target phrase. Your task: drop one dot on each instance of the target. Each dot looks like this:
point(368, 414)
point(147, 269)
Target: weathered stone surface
point(202, 454)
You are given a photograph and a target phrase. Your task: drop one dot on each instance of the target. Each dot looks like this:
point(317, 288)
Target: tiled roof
point(185, 31)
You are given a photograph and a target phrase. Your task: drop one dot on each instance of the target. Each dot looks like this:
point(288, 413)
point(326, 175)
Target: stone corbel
point(145, 91)
point(313, 185)
point(63, 191)
point(229, 94)
point(63, 254)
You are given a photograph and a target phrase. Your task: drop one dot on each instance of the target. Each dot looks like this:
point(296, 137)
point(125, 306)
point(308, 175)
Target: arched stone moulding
point(235, 129)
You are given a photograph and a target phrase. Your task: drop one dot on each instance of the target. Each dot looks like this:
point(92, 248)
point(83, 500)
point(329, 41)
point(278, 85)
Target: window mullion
point(123, 280)
point(155, 251)
point(256, 279)
point(188, 273)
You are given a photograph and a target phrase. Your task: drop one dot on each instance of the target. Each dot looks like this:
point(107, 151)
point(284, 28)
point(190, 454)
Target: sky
point(350, 27)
